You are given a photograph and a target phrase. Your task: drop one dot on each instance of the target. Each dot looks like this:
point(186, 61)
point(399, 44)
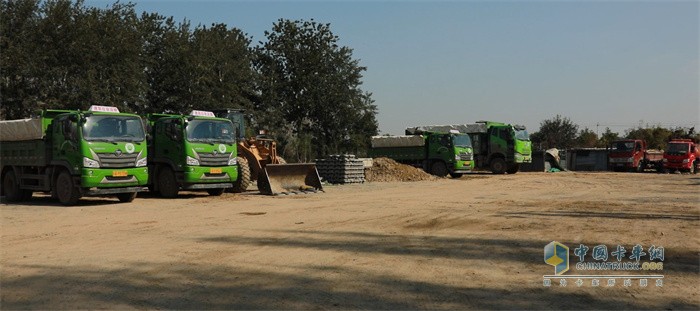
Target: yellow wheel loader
point(258, 161)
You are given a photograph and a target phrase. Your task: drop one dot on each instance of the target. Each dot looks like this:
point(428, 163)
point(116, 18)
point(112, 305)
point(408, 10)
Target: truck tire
point(126, 197)
point(513, 168)
point(243, 180)
point(216, 192)
point(438, 169)
point(498, 166)
point(456, 175)
point(167, 184)
point(66, 191)
point(10, 187)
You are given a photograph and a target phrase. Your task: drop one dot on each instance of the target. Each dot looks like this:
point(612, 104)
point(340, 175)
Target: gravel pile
point(385, 170)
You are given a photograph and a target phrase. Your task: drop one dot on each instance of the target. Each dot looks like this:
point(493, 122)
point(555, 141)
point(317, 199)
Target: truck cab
point(682, 155)
point(502, 147)
point(626, 155)
point(191, 152)
point(452, 150)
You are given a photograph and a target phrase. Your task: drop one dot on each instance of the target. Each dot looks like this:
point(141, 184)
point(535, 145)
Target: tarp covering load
point(18, 130)
point(462, 128)
point(398, 141)
point(552, 156)
point(289, 179)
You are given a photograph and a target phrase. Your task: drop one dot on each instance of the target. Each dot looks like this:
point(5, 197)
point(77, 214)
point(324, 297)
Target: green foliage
point(587, 139)
point(311, 85)
point(607, 138)
point(658, 137)
point(558, 132)
point(300, 84)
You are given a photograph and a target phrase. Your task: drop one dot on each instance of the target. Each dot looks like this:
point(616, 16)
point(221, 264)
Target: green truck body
point(191, 153)
point(498, 147)
point(436, 153)
point(73, 154)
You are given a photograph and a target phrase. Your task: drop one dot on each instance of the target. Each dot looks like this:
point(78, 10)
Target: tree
point(587, 139)
point(558, 132)
point(607, 138)
point(310, 91)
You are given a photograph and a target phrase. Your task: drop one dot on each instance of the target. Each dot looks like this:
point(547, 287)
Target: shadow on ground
point(173, 285)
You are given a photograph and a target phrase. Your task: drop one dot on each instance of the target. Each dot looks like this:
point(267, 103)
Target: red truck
point(682, 155)
point(632, 155)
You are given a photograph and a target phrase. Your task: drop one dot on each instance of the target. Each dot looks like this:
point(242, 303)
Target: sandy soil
point(472, 243)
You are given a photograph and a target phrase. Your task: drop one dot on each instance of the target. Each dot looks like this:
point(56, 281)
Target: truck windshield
point(623, 146)
point(462, 141)
point(113, 128)
point(677, 148)
point(522, 135)
point(210, 131)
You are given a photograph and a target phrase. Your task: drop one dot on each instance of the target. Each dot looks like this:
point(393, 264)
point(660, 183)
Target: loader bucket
point(289, 179)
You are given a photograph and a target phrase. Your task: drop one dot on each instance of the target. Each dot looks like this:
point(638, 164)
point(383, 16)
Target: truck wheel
point(498, 166)
point(216, 192)
point(27, 195)
point(167, 184)
point(513, 169)
point(66, 192)
point(10, 187)
point(439, 169)
point(243, 180)
point(456, 175)
point(126, 197)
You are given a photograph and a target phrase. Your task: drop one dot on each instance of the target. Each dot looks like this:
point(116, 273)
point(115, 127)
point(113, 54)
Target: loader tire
point(243, 180)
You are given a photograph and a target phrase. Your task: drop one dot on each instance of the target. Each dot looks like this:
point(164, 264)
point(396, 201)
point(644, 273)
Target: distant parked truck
point(498, 147)
point(72, 153)
point(193, 152)
point(439, 154)
point(682, 155)
point(632, 155)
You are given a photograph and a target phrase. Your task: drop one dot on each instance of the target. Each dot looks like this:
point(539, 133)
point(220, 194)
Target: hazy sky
point(617, 64)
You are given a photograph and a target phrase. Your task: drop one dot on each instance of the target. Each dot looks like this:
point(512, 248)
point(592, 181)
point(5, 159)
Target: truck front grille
point(463, 156)
point(111, 160)
point(209, 159)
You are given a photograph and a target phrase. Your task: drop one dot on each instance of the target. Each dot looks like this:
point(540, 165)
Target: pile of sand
point(384, 170)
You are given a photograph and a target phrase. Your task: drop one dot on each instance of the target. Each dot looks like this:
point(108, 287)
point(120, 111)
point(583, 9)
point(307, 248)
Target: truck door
point(168, 141)
point(66, 142)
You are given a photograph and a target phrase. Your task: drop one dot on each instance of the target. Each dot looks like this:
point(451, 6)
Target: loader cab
point(237, 117)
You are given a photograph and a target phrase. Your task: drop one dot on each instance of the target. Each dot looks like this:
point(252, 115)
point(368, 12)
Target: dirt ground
point(472, 243)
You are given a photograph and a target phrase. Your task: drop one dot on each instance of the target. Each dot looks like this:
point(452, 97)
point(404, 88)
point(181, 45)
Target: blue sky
point(616, 64)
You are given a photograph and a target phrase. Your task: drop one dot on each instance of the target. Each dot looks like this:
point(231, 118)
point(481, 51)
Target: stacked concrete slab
point(341, 169)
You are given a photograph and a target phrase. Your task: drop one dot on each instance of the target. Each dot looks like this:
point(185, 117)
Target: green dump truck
point(71, 153)
point(193, 152)
point(436, 153)
point(498, 147)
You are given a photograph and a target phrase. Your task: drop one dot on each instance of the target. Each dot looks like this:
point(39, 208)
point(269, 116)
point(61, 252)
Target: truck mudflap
point(297, 178)
point(106, 191)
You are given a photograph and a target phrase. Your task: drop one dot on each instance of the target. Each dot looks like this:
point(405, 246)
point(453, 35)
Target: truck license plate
point(215, 171)
point(119, 174)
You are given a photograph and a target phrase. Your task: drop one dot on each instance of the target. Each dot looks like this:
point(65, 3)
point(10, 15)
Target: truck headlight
point(233, 161)
point(192, 161)
point(686, 160)
point(141, 162)
point(87, 162)
point(630, 160)
point(664, 160)
point(456, 157)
